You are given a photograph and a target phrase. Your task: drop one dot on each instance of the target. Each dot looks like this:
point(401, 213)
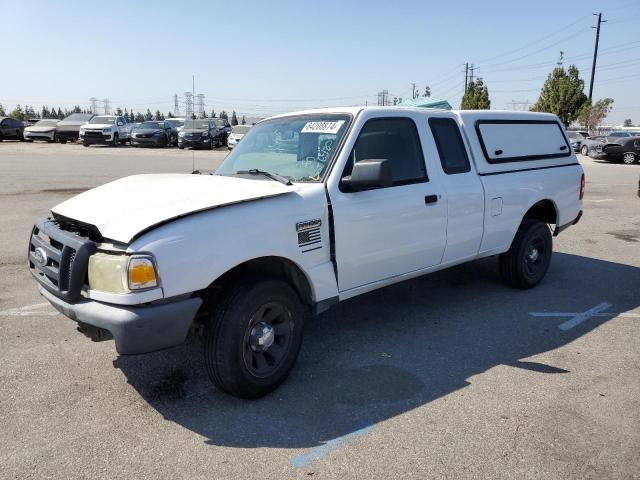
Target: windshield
point(202, 124)
point(75, 117)
point(151, 125)
point(240, 129)
point(175, 123)
point(103, 120)
point(47, 123)
point(298, 148)
point(220, 123)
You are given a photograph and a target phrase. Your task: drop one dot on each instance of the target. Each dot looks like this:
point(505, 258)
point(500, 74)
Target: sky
point(266, 57)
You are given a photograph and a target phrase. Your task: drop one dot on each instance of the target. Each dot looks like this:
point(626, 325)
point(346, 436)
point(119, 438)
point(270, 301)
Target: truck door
point(465, 194)
point(386, 232)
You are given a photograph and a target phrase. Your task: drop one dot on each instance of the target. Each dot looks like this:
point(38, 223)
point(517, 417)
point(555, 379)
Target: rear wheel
point(528, 259)
point(252, 339)
point(584, 150)
point(85, 144)
point(114, 142)
point(629, 158)
point(63, 140)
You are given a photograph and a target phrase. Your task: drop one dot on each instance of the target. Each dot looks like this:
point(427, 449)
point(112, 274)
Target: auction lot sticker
point(322, 127)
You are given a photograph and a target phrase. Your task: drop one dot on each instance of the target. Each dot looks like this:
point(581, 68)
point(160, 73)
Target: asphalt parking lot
point(453, 375)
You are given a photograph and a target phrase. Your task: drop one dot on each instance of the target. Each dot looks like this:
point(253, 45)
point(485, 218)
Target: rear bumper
point(139, 329)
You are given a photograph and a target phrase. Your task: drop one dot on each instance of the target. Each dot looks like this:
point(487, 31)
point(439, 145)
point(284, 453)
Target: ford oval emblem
point(41, 257)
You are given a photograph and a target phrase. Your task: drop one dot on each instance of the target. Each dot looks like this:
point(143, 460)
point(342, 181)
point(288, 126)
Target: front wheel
point(252, 339)
point(528, 259)
point(114, 142)
point(629, 158)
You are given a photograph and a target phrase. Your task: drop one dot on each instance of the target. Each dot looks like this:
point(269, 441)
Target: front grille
point(58, 258)
point(144, 135)
point(90, 134)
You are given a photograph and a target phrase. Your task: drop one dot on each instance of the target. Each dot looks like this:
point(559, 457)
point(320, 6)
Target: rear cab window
point(521, 140)
point(451, 149)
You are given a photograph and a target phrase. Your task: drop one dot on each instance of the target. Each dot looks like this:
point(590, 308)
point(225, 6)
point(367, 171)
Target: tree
point(592, 116)
point(224, 115)
point(213, 113)
point(119, 111)
point(234, 118)
point(627, 123)
point(139, 117)
point(244, 122)
point(77, 109)
point(169, 115)
point(158, 115)
point(17, 113)
point(427, 91)
point(203, 114)
point(60, 114)
point(148, 115)
point(476, 97)
point(45, 112)
point(2, 112)
point(562, 94)
point(126, 115)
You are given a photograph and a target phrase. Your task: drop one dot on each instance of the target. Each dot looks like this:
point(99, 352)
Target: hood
point(194, 130)
point(35, 128)
point(96, 126)
point(122, 209)
point(148, 130)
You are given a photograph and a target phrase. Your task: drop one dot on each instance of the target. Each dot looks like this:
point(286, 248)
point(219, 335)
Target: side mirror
point(368, 174)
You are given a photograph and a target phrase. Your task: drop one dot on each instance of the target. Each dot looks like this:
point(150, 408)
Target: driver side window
point(395, 140)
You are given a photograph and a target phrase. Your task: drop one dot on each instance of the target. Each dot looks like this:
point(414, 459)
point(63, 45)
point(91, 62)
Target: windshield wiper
point(272, 176)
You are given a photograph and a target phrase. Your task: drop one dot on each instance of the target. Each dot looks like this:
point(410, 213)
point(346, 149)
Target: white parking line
point(37, 309)
point(577, 318)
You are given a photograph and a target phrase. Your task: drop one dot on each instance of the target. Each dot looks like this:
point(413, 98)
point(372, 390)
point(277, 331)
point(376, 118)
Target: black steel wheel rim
point(535, 256)
point(272, 324)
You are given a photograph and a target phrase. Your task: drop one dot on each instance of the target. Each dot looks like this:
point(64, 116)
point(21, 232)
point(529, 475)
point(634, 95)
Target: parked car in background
point(152, 134)
point(224, 128)
point(69, 128)
point(11, 129)
point(588, 145)
point(237, 132)
point(576, 138)
point(622, 149)
point(42, 130)
point(201, 134)
point(176, 127)
point(106, 129)
point(621, 134)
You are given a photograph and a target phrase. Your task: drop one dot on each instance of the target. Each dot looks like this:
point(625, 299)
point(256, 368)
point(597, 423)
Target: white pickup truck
point(310, 209)
point(106, 129)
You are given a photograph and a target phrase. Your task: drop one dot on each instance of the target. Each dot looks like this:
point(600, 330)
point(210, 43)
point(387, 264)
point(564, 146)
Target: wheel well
point(273, 267)
point(544, 210)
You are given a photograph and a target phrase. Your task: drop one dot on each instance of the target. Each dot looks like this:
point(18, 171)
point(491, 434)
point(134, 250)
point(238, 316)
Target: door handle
point(430, 199)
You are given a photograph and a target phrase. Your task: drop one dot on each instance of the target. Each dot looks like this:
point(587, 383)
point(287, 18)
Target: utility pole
point(595, 53)
point(176, 107)
point(472, 68)
point(106, 106)
point(466, 76)
point(413, 90)
point(94, 104)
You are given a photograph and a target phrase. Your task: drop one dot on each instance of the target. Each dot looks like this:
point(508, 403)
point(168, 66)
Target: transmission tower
point(188, 104)
point(200, 104)
point(176, 107)
point(94, 104)
point(382, 98)
point(106, 106)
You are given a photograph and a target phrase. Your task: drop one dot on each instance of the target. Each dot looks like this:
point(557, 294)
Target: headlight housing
point(106, 130)
point(205, 134)
point(181, 134)
point(117, 273)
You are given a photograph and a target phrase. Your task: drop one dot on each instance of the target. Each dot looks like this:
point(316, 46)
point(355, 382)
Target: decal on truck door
point(309, 237)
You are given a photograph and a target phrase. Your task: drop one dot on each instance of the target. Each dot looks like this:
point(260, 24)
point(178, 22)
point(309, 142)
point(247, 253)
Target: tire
point(210, 146)
point(85, 144)
point(20, 136)
point(527, 261)
point(236, 361)
point(54, 139)
point(181, 147)
point(628, 158)
point(166, 142)
point(584, 150)
point(115, 141)
point(123, 142)
point(62, 140)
